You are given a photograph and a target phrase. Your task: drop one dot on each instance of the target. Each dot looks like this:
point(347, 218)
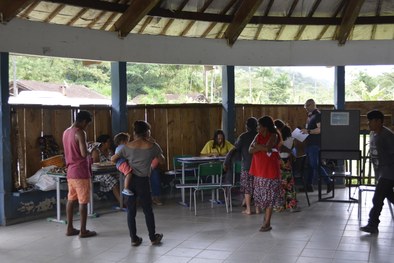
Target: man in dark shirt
point(313, 145)
point(382, 156)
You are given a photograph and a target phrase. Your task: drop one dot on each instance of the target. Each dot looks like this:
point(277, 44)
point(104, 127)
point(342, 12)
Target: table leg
point(91, 213)
point(182, 202)
point(58, 205)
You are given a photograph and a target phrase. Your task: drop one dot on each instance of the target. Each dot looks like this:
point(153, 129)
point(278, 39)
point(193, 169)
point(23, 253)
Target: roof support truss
point(349, 17)
point(10, 8)
point(241, 19)
point(137, 10)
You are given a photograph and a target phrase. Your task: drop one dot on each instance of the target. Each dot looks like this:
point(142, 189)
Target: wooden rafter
point(137, 10)
point(220, 33)
point(349, 17)
point(227, 18)
point(10, 8)
point(241, 19)
point(191, 23)
point(377, 13)
point(28, 10)
point(95, 19)
point(289, 13)
point(223, 12)
point(171, 20)
point(112, 16)
point(78, 16)
point(266, 12)
point(54, 13)
point(334, 15)
point(310, 14)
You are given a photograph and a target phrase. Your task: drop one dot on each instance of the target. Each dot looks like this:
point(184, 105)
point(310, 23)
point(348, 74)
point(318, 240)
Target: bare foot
point(246, 212)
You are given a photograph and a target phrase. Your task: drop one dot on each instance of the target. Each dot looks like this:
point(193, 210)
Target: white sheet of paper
point(297, 134)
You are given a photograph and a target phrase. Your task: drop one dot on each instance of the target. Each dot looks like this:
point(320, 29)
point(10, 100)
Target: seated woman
point(103, 153)
point(218, 146)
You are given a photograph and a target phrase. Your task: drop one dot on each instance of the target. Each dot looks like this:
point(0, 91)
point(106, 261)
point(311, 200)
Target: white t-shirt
point(288, 143)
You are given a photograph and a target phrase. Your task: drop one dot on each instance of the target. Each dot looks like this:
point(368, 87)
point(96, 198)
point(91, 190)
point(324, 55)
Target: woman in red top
point(265, 168)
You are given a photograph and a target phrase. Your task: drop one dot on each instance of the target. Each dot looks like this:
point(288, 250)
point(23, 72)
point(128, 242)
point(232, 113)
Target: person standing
point(242, 147)
point(140, 153)
point(313, 146)
point(265, 168)
point(382, 156)
point(78, 173)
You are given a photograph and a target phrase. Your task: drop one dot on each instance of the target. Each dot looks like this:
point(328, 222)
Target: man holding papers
point(312, 140)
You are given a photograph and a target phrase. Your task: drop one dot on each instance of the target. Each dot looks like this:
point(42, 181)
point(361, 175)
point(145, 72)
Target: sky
point(327, 73)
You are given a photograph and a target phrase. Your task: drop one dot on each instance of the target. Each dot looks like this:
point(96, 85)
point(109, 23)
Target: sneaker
point(157, 201)
point(127, 192)
point(157, 239)
point(136, 242)
point(370, 229)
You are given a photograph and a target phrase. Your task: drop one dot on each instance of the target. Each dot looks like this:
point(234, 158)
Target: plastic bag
point(43, 181)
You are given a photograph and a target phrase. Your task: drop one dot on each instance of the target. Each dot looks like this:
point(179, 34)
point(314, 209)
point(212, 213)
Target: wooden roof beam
point(241, 19)
point(349, 17)
point(137, 10)
point(10, 8)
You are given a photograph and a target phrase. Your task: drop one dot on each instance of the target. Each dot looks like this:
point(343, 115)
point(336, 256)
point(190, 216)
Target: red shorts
point(125, 168)
point(79, 189)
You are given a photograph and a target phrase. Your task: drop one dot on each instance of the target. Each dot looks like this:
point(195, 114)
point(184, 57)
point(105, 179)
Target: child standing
point(122, 164)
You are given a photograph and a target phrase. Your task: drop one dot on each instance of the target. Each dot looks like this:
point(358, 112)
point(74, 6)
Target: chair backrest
point(213, 169)
point(298, 166)
point(237, 167)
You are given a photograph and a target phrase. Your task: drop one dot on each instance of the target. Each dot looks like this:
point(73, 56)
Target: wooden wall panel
point(387, 107)
point(189, 135)
point(33, 120)
point(179, 129)
point(134, 114)
point(158, 121)
point(174, 135)
point(102, 122)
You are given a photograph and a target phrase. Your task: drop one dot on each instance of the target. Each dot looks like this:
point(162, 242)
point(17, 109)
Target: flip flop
point(87, 234)
point(73, 232)
point(265, 228)
point(246, 212)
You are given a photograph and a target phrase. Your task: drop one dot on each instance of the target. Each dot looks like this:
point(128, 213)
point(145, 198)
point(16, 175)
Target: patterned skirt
point(246, 182)
point(267, 192)
point(107, 181)
point(288, 190)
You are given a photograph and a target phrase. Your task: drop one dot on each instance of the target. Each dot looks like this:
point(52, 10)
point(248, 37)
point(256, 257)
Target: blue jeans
point(155, 182)
point(312, 152)
point(384, 189)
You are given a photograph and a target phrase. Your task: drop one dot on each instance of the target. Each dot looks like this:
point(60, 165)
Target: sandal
point(136, 242)
point(87, 234)
point(74, 232)
point(265, 228)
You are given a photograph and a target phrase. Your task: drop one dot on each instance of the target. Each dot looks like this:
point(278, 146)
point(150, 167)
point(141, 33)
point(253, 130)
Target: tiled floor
point(323, 232)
